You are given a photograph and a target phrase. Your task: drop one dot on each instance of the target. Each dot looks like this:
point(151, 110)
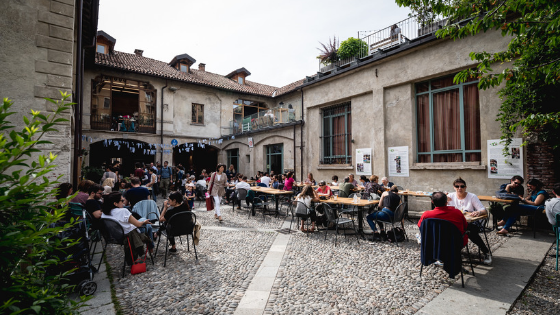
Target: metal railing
point(263, 120)
point(139, 123)
point(394, 35)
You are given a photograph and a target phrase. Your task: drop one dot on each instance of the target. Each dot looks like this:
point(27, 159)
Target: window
point(275, 158)
point(448, 119)
point(183, 68)
point(240, 80)
point(337, 134)
point(197, 114)
point(233, 158)
point(101, 49)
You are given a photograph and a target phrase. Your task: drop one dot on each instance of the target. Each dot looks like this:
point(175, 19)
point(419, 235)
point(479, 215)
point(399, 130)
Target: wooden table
point(350, 202)
point(272, 191)
point(494, 199)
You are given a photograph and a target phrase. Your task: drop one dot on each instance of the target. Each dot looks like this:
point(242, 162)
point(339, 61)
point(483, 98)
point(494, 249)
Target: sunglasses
point(460, 186)
point(122, 200)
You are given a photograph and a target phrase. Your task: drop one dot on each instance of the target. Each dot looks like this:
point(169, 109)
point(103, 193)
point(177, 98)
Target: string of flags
point(134, 146)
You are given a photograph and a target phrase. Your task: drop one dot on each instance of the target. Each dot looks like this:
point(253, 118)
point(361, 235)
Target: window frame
point(430, 92)
point(332, 159)
point(197, 107)
point(104, 48)
point(229, 155)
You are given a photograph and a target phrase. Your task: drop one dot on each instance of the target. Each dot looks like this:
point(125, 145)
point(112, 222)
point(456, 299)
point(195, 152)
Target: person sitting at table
point(136, 193)
point(345, 188)
point(243, 184)
point(515, 186)
point(386, 183)
point(469, 202)
point(334, 180)
point(373, 187)
point(552, 206)
point(445, 212)
point(324, 190)
point(531, 204)
point(173, 205)
point(309, 180)
point(275, 182)
point(307, 196)
point(289, 182)
point(94, 206)
point(389, 202)
point(83, 195)
point(352, 180)
point(363, 180)
point(266, 179)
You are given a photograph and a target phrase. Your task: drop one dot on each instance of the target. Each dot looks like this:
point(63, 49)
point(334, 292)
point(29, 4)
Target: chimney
point(202, 67)
point(138, 52)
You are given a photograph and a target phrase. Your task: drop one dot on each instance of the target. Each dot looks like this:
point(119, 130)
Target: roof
point(107, 36)
point(143, 65)
point(240, 70)
point(181, 57)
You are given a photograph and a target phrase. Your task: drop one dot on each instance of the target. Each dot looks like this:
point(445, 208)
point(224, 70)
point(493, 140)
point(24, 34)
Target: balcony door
point(275, 158)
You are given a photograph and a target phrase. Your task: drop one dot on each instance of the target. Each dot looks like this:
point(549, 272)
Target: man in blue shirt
point(166, 178)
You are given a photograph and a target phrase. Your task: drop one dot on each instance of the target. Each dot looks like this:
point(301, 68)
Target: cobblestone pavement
point(314, 276)
point(542, 295)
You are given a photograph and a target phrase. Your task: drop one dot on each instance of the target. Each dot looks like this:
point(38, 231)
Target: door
point(275, 158)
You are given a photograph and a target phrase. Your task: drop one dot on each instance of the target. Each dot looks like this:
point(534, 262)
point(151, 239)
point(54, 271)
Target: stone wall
point(37, 61)
point(540, 164)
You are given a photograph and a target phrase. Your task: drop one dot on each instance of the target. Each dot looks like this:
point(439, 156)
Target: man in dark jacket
point(173, 205)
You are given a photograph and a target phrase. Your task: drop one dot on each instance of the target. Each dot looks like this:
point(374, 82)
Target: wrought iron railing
point(139, 123)
point(264, 119)
point(391, 36)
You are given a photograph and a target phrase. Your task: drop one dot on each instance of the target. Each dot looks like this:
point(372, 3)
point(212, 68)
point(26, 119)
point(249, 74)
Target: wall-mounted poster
point(250, 139)
point(398, 161)
point(363, 161)
point(505, 165)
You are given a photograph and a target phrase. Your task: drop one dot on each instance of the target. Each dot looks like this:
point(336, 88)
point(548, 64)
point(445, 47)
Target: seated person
point(363, 180)
point(323, 190)
point(345, 188)
point(243, 184)
point(113, 208)
point(334, 180)
point(469, 202)
point(83, 194)
point(445, 212)
point(372, 187)
point(552, 206)
point(266, 180)
point(136, 193)
point(309, 180)
point(352, 180)
point(515, 186)
point(274, 184)
point(389, 202)
point(93, 204)
point(173, 205)
point(531, 204)
point(289, 181)
point(385, 183)
point(306, 196)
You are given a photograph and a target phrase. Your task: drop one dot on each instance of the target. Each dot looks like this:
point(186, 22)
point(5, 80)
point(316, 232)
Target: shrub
point(27, 212)
point(352, 47)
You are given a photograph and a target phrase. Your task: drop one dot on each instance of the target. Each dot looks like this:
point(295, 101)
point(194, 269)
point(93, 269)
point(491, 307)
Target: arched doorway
point(127, 151)
point(190, 155)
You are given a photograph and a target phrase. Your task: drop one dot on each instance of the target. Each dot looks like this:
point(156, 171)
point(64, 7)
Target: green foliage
point(329, 52)
point(27, 241)
point(93, 173)
point(352, 47)
point(532, 58)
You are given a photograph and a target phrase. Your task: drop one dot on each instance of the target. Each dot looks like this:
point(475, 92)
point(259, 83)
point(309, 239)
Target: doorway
point(275, 158)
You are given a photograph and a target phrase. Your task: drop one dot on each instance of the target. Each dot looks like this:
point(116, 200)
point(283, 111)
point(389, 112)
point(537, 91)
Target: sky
point(276, 41)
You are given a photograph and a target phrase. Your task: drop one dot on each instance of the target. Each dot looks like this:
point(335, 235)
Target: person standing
point(218, 182)
point(166, 178)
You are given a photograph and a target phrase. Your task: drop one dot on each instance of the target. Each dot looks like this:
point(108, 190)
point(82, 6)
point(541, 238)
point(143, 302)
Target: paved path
point(494, 288)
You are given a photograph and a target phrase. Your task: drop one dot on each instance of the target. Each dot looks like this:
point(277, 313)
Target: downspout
point(295, 160)
point(301, 136)
point(78, 98)
point(161, 132)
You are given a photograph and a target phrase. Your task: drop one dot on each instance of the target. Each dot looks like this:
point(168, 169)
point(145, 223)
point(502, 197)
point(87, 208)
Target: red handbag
point(210, 199)
point(137, 266)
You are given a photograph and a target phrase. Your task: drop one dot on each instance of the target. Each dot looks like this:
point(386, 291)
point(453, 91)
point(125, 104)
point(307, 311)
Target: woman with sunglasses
point(324, 190)
point(469, 202)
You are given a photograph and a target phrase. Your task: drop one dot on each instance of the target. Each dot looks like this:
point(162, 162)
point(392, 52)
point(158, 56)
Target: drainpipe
point(161, 132)
point(294, 149)
point(301, 135)
point(78, 98)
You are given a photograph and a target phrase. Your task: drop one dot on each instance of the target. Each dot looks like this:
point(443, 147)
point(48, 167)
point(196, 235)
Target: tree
point(28, 217)
point(352, 47)
point(532, 73)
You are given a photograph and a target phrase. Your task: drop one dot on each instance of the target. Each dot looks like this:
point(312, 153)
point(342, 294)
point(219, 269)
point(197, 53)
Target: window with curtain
point(197, 114)
point(337, 134)
point(448, 120)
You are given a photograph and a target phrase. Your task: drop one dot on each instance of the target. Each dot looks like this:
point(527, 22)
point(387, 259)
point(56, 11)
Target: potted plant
point(352, 48)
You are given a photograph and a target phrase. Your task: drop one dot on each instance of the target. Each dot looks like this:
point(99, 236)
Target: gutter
point(161, 125)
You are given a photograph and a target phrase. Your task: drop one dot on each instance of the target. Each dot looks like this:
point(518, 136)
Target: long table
point(350, 202)
point(272, 191)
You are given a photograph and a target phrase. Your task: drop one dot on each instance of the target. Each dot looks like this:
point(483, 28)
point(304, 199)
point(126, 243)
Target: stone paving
point(313, 275)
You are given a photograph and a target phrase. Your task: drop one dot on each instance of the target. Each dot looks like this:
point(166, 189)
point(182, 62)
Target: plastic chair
point(181, 223)
point(335, 218)
point(436, 234)
point(398, 217)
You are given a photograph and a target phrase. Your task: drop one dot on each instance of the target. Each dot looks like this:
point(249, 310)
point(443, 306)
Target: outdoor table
point(272, 191)
point(359, 188)
point(471, 219)
point(350, 202)
point(495, 199)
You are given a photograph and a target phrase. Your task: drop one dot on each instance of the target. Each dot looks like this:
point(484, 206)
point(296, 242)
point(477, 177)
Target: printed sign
point(505, 165)
point(398, 161)
point(250, 142)
point(363, 161)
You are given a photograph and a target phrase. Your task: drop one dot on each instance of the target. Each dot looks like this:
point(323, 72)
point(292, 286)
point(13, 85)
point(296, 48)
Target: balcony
point(387, 38)
point(145, 123)
point(275, 117)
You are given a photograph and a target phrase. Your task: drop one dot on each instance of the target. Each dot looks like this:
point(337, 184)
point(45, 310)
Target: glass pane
point(473, 157)
point(447, 127)
point(200, 110)
point(101, 49)
point(423, 116)
point(183, 68)
point(193, 113)
point(424, 158)
point(443, 82)
point(422, 87)
point(471, 108)
point(450, 157)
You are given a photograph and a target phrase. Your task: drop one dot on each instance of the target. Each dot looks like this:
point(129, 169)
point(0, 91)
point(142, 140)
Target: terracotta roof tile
point(148, 66)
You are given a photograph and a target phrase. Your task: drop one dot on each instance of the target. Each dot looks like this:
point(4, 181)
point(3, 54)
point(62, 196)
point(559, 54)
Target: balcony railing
point(388, 37)
point(139, 123)
point(264, 120)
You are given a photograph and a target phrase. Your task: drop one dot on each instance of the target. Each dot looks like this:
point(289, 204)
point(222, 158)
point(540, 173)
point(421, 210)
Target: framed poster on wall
point(363, 161)
point(505, 165)
point(398, 161)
